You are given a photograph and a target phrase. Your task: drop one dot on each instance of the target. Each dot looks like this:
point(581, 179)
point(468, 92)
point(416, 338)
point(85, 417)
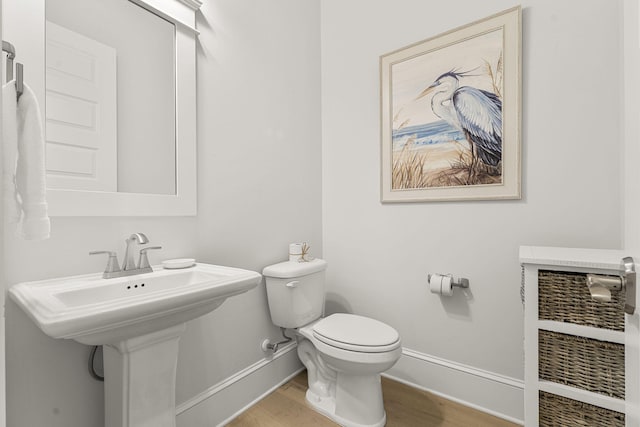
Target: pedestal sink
point(138, 321)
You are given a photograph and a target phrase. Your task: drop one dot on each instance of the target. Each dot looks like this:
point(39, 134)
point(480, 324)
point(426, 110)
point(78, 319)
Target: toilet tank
point(295, 291)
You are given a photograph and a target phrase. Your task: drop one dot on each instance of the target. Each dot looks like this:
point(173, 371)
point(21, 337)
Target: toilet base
point(327, 407)
point(345, 385)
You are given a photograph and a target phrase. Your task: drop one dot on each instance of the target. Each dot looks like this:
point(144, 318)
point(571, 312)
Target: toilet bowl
point(344, 353)
point(350, 365)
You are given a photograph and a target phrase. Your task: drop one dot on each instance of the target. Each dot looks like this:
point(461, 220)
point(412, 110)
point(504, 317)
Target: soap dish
point(178, 263)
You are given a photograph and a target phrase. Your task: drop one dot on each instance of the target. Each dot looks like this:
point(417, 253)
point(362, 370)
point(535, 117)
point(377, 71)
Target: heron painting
point(444, 124)
point(453, 97)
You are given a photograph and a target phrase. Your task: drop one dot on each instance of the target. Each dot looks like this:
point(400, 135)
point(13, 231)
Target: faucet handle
point(143, 262)
point(112, 263)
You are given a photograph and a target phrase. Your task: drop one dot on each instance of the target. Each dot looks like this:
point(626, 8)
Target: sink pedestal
point(140, 379)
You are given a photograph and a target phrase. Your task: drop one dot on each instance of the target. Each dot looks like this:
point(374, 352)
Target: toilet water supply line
point(267, 345)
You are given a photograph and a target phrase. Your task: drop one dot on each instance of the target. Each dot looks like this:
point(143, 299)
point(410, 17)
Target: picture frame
point(450, 111)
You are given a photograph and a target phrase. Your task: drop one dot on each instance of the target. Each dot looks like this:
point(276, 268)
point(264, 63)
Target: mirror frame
point(184, 203)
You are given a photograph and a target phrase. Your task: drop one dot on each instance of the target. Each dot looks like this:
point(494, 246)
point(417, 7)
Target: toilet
point(344, 353)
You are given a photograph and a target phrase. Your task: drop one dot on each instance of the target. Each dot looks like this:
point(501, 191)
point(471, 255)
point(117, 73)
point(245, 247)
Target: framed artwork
point(450, 114)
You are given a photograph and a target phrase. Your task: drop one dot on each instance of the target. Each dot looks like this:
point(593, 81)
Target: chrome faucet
point(129, 266)
point(129, 263)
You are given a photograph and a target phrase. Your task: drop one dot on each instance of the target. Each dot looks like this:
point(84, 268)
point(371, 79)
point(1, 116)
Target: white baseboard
point(224, 401)
point(485, 391)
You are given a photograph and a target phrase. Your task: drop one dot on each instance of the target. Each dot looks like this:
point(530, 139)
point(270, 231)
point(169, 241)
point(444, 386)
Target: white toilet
point(344, 353)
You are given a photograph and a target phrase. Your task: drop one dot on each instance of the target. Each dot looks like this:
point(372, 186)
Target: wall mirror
point(120, 107)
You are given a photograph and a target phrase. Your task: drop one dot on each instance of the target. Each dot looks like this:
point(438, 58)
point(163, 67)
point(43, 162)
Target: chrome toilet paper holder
point(601, 286)
point(459, 283)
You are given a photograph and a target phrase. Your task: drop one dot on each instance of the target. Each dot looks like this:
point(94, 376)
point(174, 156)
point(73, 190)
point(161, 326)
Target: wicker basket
point(564, 297)
point(588, 364)
point(558, 411)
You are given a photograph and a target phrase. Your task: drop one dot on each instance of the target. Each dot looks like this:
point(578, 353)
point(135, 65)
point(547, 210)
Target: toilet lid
point(356, 333)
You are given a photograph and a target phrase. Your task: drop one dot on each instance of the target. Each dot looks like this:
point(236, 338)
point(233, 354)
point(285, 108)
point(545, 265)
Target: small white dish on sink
point(178, 263)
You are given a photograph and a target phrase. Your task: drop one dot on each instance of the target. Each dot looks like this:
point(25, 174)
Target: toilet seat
point(356, 333)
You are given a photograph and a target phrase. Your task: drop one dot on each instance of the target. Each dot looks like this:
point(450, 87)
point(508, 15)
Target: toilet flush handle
point(292, 284)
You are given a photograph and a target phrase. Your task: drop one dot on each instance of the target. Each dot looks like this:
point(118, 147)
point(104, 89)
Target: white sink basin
point(98, 311)
point(138, 321)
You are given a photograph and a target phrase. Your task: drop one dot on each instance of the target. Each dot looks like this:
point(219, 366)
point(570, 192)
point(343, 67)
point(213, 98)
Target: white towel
point(29, 169)
point(10, 152)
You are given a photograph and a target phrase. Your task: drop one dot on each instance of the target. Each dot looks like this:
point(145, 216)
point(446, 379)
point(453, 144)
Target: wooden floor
point(405, 407)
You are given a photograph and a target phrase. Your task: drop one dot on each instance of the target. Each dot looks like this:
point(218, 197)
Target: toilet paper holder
point(459, 283)
point(601, 286)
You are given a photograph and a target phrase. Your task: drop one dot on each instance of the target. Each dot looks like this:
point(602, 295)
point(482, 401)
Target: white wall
point(3, 400)
point(630, 158)
point(258, 172)
point(631, 151)
point(259, 189)
point(379, 255)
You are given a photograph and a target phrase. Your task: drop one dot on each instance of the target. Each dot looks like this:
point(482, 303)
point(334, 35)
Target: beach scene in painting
point(447, 115)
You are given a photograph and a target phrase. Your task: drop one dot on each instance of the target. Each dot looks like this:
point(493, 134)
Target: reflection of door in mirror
point(110, 107)
point(80, 112)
